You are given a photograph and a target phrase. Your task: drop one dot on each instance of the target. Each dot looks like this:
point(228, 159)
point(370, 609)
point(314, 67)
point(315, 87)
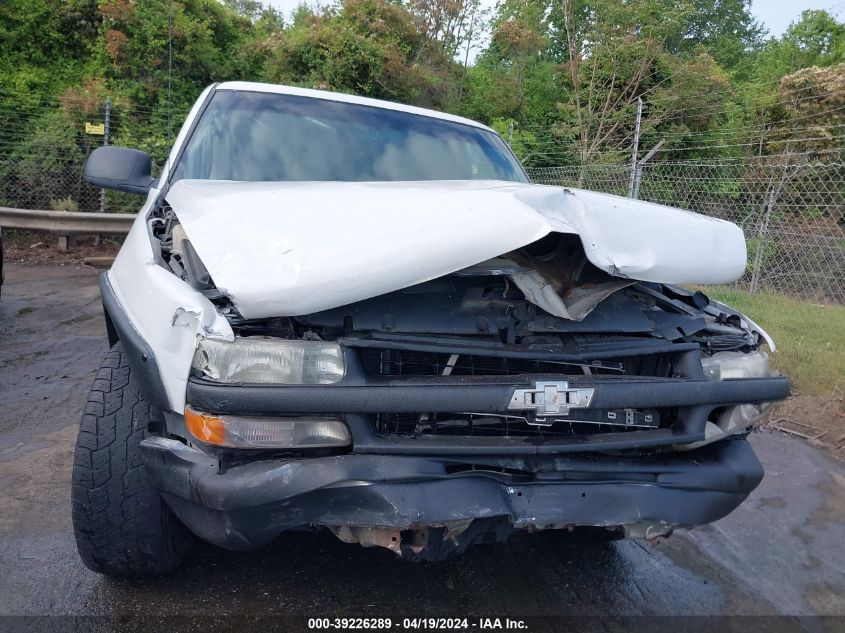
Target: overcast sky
point(775, 14)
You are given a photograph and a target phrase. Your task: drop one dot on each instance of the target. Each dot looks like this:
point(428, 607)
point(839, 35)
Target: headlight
point(741, 417)
point(238, 431)
point(725, 365)
point(270, 361)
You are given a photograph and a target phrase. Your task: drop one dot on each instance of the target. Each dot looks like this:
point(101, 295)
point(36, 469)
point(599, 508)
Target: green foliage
point(208, 45)
point(44, 161)
point(64, 204)
point(367, 47)
point(565, 75)
point(762, 252)
point(522, 142)
point(724, 29)
point(44, 44)
point(816, 39)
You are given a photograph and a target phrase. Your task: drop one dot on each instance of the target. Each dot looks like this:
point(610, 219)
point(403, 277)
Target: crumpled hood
point(294, 248)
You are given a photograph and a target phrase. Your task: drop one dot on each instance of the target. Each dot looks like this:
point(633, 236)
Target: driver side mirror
point(120, 168)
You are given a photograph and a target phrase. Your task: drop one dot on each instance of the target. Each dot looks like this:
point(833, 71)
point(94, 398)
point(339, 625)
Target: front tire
point(122, 526)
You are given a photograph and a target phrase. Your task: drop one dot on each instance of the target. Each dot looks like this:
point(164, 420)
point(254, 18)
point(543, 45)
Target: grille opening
point(392, 362)
point(580, 422)
point(515, 475)
point(512, 474)
point(486, 425)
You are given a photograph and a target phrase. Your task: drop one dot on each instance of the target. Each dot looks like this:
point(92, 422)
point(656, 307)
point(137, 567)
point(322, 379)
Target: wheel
point(122, 526)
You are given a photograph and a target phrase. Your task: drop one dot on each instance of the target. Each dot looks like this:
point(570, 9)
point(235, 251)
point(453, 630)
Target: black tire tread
point(122, 526)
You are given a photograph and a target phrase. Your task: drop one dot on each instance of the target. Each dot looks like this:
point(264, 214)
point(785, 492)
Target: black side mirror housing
point(120, 168)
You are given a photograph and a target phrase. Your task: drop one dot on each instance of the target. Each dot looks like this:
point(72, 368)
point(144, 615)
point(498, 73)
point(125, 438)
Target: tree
point(134, 47)
point(452, 27)
point(44, 44)
point(725, 29)
point(816, 39)
point(810, 114)
point(368, 47)
point(612, 54)
point(515, 77)
point(446, 24)
point(563, 75)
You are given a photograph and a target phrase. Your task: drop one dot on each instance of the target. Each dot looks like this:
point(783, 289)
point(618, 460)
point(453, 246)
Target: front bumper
point(456, 490)
point(248, 505)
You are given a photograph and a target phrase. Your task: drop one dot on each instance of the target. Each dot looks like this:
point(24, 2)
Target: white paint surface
point(286, 249)
point(167, 312)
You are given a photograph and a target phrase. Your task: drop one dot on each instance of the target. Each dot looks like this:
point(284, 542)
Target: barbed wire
point(676, 113)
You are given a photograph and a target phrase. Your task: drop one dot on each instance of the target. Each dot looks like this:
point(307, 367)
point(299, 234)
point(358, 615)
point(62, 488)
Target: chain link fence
point(44, 144)
point(792, 213)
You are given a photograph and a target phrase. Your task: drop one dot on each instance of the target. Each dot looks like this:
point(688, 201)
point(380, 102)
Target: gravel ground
point(780, 554)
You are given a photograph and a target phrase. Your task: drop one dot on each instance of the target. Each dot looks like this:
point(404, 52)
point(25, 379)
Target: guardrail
point(65, 223)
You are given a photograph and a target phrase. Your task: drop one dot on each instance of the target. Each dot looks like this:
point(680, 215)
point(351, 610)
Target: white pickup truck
point(346, 314)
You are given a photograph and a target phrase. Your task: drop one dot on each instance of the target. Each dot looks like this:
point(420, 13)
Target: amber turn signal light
point(205, 427)
point(238, 431)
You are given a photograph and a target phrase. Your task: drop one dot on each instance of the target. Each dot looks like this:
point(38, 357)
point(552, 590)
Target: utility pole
point(636, 147)
point(510, 133)
point(170, 70)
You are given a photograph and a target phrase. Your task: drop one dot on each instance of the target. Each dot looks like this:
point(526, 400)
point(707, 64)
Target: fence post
point(638, 170)
point(768, 203)
point(635, 148)
point(106, 127)
point(638, 177)
point(106, 124)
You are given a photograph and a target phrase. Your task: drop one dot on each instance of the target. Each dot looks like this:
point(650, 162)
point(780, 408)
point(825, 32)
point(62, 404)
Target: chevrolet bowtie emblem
point(551, 398)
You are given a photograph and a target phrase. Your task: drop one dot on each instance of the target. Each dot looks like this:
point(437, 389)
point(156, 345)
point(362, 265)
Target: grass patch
point(810, 338)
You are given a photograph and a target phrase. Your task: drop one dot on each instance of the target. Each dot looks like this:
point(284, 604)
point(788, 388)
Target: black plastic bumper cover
point(251, 504)
point(695, 399)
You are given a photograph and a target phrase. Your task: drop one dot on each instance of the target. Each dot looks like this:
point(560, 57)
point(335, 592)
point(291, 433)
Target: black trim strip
point(449, 394)
point(689, 428)
point(478, 445)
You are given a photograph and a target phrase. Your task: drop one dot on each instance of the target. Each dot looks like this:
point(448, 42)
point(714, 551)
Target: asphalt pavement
point(782, 553)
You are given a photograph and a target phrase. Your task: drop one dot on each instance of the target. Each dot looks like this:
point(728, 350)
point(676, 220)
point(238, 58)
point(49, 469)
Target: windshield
point(255, 136)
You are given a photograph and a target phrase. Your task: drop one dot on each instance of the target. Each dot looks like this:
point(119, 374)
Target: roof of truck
point(253, 86)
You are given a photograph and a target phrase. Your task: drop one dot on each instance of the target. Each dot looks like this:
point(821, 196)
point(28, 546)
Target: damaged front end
point(529, 391)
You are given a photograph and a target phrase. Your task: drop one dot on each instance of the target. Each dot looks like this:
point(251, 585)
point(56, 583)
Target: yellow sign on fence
point(99, 129)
